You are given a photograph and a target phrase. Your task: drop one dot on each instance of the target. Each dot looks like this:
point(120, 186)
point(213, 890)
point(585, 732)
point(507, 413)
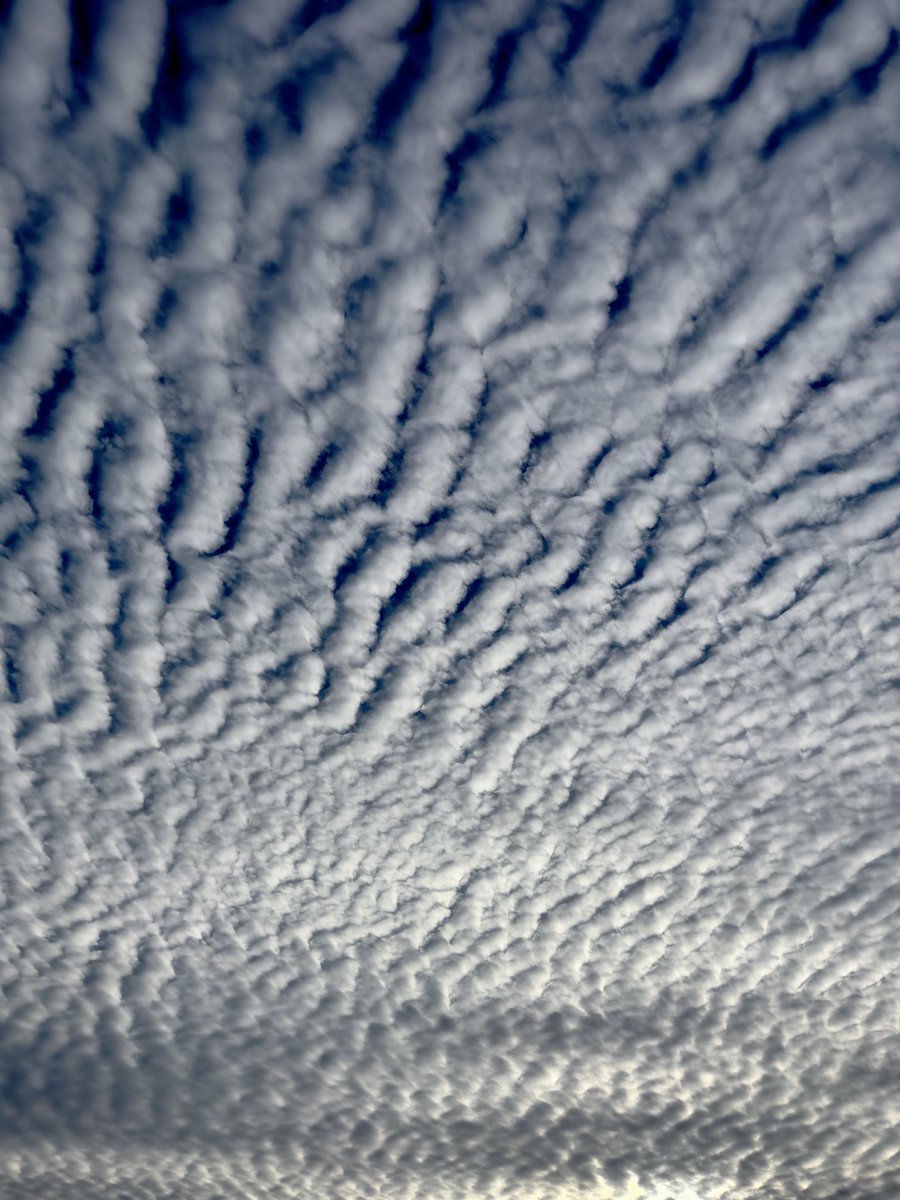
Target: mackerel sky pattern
point(449, 562)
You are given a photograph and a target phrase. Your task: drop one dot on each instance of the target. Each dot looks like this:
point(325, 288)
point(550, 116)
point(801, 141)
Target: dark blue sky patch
point(821, 382)
point(389, 477)
point(197, 7)
point(65, 572)
point(29, 234)
point(739, 84)
point(312, 11)
point(812, 20)
point(354, 561)
point(622, 298)
point(168, 302)
point(768, 564)
point(117, 625)
point(868, 78)
point(495, 705)
point(290, 95)
point(473, 143)
point(423, 366)
point(289, 99)
point(798, 316)
point(29, 480)
point(580, 18)
point(97, 268)
point(887, 314)
point(282, 669)
point(709, 478)
point(435, 518)
point(417, 391)
point(801, 592)
point(401, 594)
point(698, 569)
point(174, 499)
point(571, 580)
point(641, 563)
point(230, 585)
point(12, 318)
point(575, 201)
point(796, 123)
point(325, 456)
point(588, 551)
point(678, 610)
point(11, 672)
point(169, 98)
point(777, 436)
point(80, 1093)
point(41, 209)
point(16, 538)
point(86, 19)
point(178, 219)
point(97, 265)
point(500, 65)
point(399, 93)
point(256, 141)
point(48, 401)
point(370, 702)
point(661, 63)
point(479, 416)
point(541, 551)
point(692, 172)
point(344, 171)
point(704, 316)
point(873, 489)
point(359, 298)
point(661, 459)
point(474, 589)
point(703, 657)
point(594, 465)
point(536, 446)
point(174, 574)
point(234, 522)
point(480, 413)
point(109, 438)
point(886, 534)
point(645, 556)
point(326, 686)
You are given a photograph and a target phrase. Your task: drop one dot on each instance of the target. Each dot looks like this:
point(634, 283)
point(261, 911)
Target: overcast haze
point(450, 515)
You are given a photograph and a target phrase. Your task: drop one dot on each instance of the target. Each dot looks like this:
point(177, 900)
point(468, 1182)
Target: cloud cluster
point(449, 479)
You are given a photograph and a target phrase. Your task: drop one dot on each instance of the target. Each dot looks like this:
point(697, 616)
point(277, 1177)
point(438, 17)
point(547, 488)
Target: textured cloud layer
point(450, 466)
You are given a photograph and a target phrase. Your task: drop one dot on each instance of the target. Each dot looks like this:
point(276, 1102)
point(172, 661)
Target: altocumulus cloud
point(450, 511)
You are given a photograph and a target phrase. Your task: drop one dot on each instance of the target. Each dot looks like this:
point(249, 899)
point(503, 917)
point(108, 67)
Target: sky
point(449, 562)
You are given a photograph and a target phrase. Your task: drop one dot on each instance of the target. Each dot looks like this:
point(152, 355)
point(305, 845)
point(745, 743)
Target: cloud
point(449, 517)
